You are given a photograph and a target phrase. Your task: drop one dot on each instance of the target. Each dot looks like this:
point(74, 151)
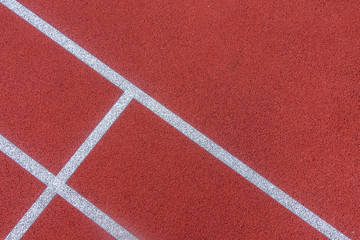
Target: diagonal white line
point(238, 166)
point(25, 161)
point(56, 186)
point(94, 137)
point(31, 215)
point(62, 40)
point(94, 213)
point(38, 171)
point(41, 173)
point(175, 121)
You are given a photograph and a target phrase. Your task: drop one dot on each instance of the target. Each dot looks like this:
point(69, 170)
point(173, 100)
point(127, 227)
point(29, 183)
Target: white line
point(241, 168)
point(94, 213)
point(34, 167)
point(57, 186)
point(64, 41)
point(31, 215)
point(25, 161)
point(55, 183)
point(94, 137)
point(175, 121)
point(37, 171)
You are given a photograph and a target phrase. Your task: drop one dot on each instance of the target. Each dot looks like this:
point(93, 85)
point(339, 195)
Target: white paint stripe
point(31, 215)
point(259, 181)
point(31, 165)
point(55, 183)
point(94, 137)
point(57, 186)
point(25, 161)
point(94, 213)
point(64, 41)
point(175, 121)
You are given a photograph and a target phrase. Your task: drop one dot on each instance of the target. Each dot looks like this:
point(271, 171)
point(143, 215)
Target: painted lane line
point(66, 192)
point(25, 161)
point(94, 213)
point(31, 215)
point(45, 198)
point(94, 137)
point(56, 183)
point(49, 193)
point(38, 171)
point(64, 41)
point(241, 168)
point(175, 121)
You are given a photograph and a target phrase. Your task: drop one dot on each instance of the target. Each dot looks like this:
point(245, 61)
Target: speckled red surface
point(18, 191)
point(50, 101)
point(160, 185)
point(276, 83)
point(62, 221)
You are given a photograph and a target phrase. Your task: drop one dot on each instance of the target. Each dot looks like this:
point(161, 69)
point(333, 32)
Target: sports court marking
point(56, 185)
point(175, 121)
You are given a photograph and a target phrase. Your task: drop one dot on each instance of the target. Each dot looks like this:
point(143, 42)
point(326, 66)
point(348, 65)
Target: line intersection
point(57, 184)
point(221, 154)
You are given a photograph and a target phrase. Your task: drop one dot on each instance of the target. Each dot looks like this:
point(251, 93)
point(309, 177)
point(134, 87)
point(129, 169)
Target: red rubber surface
point(62, 221)
point(159, 185)
point(18, 191)
point(49, 101)
point(275, 84)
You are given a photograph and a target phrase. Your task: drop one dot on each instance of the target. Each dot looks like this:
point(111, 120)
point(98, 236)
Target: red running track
point(274, 83)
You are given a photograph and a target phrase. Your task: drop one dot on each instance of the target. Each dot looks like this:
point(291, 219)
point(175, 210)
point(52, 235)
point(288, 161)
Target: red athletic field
point(274, 83)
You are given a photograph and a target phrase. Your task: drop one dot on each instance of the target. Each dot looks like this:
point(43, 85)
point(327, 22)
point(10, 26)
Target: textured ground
point(275, 83)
